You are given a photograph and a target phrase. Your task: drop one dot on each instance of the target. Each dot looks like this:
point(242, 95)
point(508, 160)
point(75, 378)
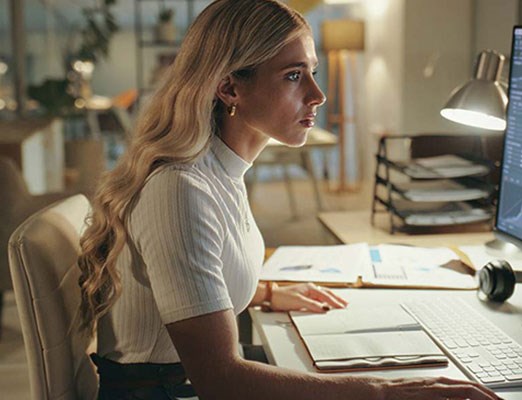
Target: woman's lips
point(309, 120)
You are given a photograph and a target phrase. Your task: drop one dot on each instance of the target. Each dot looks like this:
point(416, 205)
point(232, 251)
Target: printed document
point(361, 265)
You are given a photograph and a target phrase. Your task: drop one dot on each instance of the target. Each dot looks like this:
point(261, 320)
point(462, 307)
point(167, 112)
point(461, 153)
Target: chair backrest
point(43, 254)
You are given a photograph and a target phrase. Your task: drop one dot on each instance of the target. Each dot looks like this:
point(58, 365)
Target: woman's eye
point(314, 73)
point(294, 76)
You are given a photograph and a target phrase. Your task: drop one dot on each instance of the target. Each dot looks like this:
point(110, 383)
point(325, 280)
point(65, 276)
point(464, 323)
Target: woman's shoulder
point(176, 178)
point(175, 172)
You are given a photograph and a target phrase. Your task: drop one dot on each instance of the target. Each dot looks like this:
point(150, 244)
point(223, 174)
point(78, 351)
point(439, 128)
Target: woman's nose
point(316, 95)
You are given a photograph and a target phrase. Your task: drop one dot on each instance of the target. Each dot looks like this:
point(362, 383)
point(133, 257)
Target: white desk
point(284, 348)
point(355, 226)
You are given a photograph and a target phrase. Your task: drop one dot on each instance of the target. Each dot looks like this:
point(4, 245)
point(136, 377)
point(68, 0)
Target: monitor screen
point(509, 211)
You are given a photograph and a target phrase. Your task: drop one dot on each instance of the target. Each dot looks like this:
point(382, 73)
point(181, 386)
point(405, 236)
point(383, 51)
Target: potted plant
point(165, 28)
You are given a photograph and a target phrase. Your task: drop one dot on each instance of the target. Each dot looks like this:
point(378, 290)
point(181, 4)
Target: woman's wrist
point(266, 303)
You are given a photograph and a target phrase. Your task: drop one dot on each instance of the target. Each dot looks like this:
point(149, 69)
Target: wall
point(437, 58)
point(494, 21)
point(117, 73)
point(383, 81)
point(384, 63)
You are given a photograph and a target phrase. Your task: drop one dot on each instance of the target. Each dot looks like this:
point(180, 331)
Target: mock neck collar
point(233, 164)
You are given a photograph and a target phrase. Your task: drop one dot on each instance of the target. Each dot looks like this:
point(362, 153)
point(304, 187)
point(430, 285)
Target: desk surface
point(281, 341)
point(284, 348)
point(355, 226)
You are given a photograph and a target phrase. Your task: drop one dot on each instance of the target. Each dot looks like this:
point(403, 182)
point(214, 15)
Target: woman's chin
point(301, 140)
point(297, 140)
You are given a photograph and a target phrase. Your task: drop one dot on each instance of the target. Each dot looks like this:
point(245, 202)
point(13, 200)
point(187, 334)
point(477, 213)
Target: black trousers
point(141, 381)
point(149, 381)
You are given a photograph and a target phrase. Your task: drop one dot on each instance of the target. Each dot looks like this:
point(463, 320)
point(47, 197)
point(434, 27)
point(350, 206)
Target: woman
point(172, 252)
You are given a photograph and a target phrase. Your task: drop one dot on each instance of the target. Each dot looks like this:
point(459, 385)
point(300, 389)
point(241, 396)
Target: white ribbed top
point(194, 249)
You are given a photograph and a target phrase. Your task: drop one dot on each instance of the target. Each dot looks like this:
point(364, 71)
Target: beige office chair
point(16, 204)
point(43, 252)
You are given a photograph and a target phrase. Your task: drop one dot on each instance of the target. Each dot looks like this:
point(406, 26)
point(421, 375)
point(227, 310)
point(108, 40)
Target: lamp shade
point(343, 34)
point(481, 102)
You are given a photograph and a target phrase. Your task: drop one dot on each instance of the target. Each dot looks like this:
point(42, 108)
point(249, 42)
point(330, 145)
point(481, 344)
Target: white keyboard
point(480, 349)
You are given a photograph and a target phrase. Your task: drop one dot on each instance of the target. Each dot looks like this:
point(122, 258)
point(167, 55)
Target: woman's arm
point(207, 346)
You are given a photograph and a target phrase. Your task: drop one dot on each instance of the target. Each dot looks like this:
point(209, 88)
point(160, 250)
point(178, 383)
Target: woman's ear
point(227, 91)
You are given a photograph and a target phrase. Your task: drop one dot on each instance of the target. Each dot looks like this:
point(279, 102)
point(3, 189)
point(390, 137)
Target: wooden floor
point(270, 206)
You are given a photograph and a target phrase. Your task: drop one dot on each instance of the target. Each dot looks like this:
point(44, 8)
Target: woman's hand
point(305, 296)
point(434, 389)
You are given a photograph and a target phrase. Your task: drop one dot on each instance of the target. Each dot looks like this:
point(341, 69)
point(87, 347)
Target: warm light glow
point(474, 118)
point(3, 68)
point(342, 34)
point(79, 103)
point(84, 68)
point(376, 9)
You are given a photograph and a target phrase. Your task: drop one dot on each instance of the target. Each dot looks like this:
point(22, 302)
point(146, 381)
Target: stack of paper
point(445, 166)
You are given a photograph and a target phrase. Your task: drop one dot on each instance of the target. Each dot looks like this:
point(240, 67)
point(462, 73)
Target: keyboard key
point(517, 377)
point(492, 379)
point(474, 368)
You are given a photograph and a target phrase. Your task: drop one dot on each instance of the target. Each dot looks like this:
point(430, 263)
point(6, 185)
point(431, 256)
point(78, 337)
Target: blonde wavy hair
point(228, 37)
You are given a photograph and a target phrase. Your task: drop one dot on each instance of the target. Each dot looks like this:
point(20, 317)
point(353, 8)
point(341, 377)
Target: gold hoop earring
point(232, 110)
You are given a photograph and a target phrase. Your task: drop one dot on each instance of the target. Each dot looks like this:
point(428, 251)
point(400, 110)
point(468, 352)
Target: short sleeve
point(178, 229)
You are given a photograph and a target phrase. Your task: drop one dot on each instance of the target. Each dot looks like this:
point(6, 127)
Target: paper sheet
point(415, 266)
point(354, 320)
point(339, 263)
point(356, 264)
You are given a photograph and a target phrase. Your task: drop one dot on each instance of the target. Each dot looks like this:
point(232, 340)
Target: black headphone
point(497, 280)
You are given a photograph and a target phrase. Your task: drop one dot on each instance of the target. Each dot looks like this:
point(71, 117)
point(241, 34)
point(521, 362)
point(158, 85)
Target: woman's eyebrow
point(300, 64)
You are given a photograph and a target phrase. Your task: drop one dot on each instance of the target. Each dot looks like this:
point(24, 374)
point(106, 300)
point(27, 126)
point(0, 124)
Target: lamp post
point(341, 39)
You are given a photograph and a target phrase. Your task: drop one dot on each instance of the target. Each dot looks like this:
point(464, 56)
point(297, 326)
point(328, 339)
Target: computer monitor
point(508, 222)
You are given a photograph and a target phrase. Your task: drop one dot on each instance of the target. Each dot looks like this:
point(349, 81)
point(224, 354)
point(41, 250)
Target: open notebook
point(359, 338)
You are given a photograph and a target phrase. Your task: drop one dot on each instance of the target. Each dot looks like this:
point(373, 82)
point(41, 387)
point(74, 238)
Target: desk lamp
point(340, 40)
point(481, 102)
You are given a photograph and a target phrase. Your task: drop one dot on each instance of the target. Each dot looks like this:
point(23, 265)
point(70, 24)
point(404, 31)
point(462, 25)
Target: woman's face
point(282, 98)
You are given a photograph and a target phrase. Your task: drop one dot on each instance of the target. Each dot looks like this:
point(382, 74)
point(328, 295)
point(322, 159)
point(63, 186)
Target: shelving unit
point(445, 189)
point(145, 40)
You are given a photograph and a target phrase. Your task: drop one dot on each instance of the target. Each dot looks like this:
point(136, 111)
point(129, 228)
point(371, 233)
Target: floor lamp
point(341, 39)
